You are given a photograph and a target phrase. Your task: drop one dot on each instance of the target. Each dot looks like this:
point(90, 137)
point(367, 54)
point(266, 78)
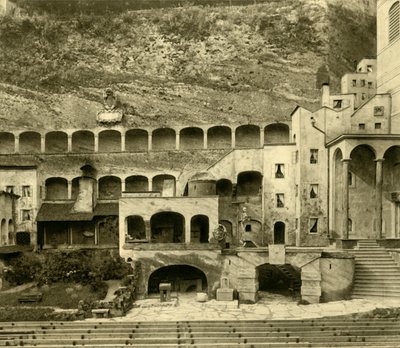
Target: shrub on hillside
point(23, 269)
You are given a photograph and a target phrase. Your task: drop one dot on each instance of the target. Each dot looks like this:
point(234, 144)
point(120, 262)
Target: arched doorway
point(136, 229)
point(279, 233)
point(167, 227)
point(280, 279)
point(183, 278)
point(199, 229)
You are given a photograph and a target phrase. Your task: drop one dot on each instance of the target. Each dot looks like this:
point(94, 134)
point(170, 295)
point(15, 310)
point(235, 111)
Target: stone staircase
point(376, 273)
point(319, 333)
point(290, 273)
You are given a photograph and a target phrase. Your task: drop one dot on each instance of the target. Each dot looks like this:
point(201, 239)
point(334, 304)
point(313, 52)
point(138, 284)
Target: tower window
point(25, 215)
point(10, 189)
point(26, 191)
point(279, 170)
point(314, 156)
point(361, 126)
point(363, 96)
point(351, 179)
point(369, 68)
point(337, 103)
point(280, 200)
point(369, 84)
point(354, 83)
point(378, 125)
point(313, 225)
point(247, 228)
point(362, 83)
point(394, 22)
point(313, 190)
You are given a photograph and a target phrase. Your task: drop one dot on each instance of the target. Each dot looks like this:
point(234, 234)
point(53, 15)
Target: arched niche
point(7, 142)
point(219, 137)
point(109, 141)
point(82, 141)
point(56, 142)
point(276, 133)
point(109, 187)
point(247, 136)
point(191, 138)
point(136, 140)
point(29, 142)
point(167, 227)
point(164, 139)
point(56, 189)
point(199, 229)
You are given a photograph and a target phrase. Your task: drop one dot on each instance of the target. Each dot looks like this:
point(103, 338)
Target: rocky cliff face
point(187, 65)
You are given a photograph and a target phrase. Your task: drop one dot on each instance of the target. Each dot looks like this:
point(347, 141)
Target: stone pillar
point(261, 137)
point(345, 206)
point(69, 189)
point(150, 142)
point(147, 227)
point(69, 143)
point(122, 142)
point(187, 230)
point(311, 282)
point(378, 196)
point(177, 140)
point(96, 143)
point(123, 185)
point(16, 144)
point(205, 140)
point(233, 139)
point(42, 143)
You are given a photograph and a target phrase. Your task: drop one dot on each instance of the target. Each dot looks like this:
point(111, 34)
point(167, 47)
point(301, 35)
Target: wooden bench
point(36, 297)
point(101, 312)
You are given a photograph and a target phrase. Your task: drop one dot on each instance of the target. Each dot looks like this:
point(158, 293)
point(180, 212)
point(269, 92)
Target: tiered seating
point(376, 273)
point(324, 332)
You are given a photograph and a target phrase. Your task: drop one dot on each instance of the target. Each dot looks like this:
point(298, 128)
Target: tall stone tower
point(388, 55)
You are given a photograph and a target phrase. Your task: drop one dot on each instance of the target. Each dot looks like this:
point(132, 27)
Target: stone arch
point(29, 142)
point(183, 278)
point(164, 139)
point(285, 279)
point(279, 232)
point(276, 133)
point(110, 141)
point(136, 183)
point(224, 188)
point(136, 140)
point(56, 142)
point(191, 138)
point(7, 142)
point(166, 184)
point(362, 166)
point(3, 232)
point(135, 228)
point(219, 137)
point(82, 141)
point(249, 183)
point(199, 229)
point(167, 227)
point(247, 136)
point(56, 189)
point(109, 187)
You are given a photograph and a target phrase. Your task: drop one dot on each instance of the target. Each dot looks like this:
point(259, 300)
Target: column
point(42, 143)
point(122, 142)
point(16, 144)
point(69, 143)
point(378, 196)
point(233, 139)
point(187, 229)
point(122, 185)
point(345, 207)
point(150, 184)
point(69, 189)
point(96, 143)
point(261, 137)
point(150, 142)
point(177, 140)
point(205, 140)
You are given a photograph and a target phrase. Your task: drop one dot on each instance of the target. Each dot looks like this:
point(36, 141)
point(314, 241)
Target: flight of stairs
point(376, 273)
point(290, 273)
point(318, 333)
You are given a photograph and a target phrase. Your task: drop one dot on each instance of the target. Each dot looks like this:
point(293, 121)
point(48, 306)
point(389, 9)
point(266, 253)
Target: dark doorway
point(199, 227)
point(183, 278)
point(279, 233)
point(283, 279)
point(167, 227)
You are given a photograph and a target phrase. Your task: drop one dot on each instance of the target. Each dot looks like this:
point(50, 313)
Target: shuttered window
point(394, 21)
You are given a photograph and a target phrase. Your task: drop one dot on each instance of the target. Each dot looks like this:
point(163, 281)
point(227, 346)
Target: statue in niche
point(112, 112)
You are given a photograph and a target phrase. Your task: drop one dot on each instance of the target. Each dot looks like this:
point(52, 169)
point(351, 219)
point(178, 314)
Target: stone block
point(310, 275)
point(310, 290)
point(202, 296)
point(248, 296)
point(277, 254)
point(310, 299)
point(224, 294)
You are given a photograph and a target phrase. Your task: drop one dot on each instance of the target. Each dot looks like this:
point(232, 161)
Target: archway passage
point(224, 188)
point(167, 227)
point(183, 278)
point(199, 228)
point(279, 233)
point(281, 279)
point(7, 142)
point(249, 184)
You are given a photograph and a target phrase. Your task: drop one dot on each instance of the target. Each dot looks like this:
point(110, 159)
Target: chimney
point(325, 95)
point(86, 200)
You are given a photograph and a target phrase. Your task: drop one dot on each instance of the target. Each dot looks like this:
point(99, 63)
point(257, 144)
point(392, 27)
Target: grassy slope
point(176, 66)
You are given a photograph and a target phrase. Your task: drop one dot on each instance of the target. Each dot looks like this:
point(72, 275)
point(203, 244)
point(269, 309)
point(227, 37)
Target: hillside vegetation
point(185, 65)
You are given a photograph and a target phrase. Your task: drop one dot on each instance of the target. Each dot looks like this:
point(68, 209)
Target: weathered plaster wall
point(6, 215)
point(337, 275)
